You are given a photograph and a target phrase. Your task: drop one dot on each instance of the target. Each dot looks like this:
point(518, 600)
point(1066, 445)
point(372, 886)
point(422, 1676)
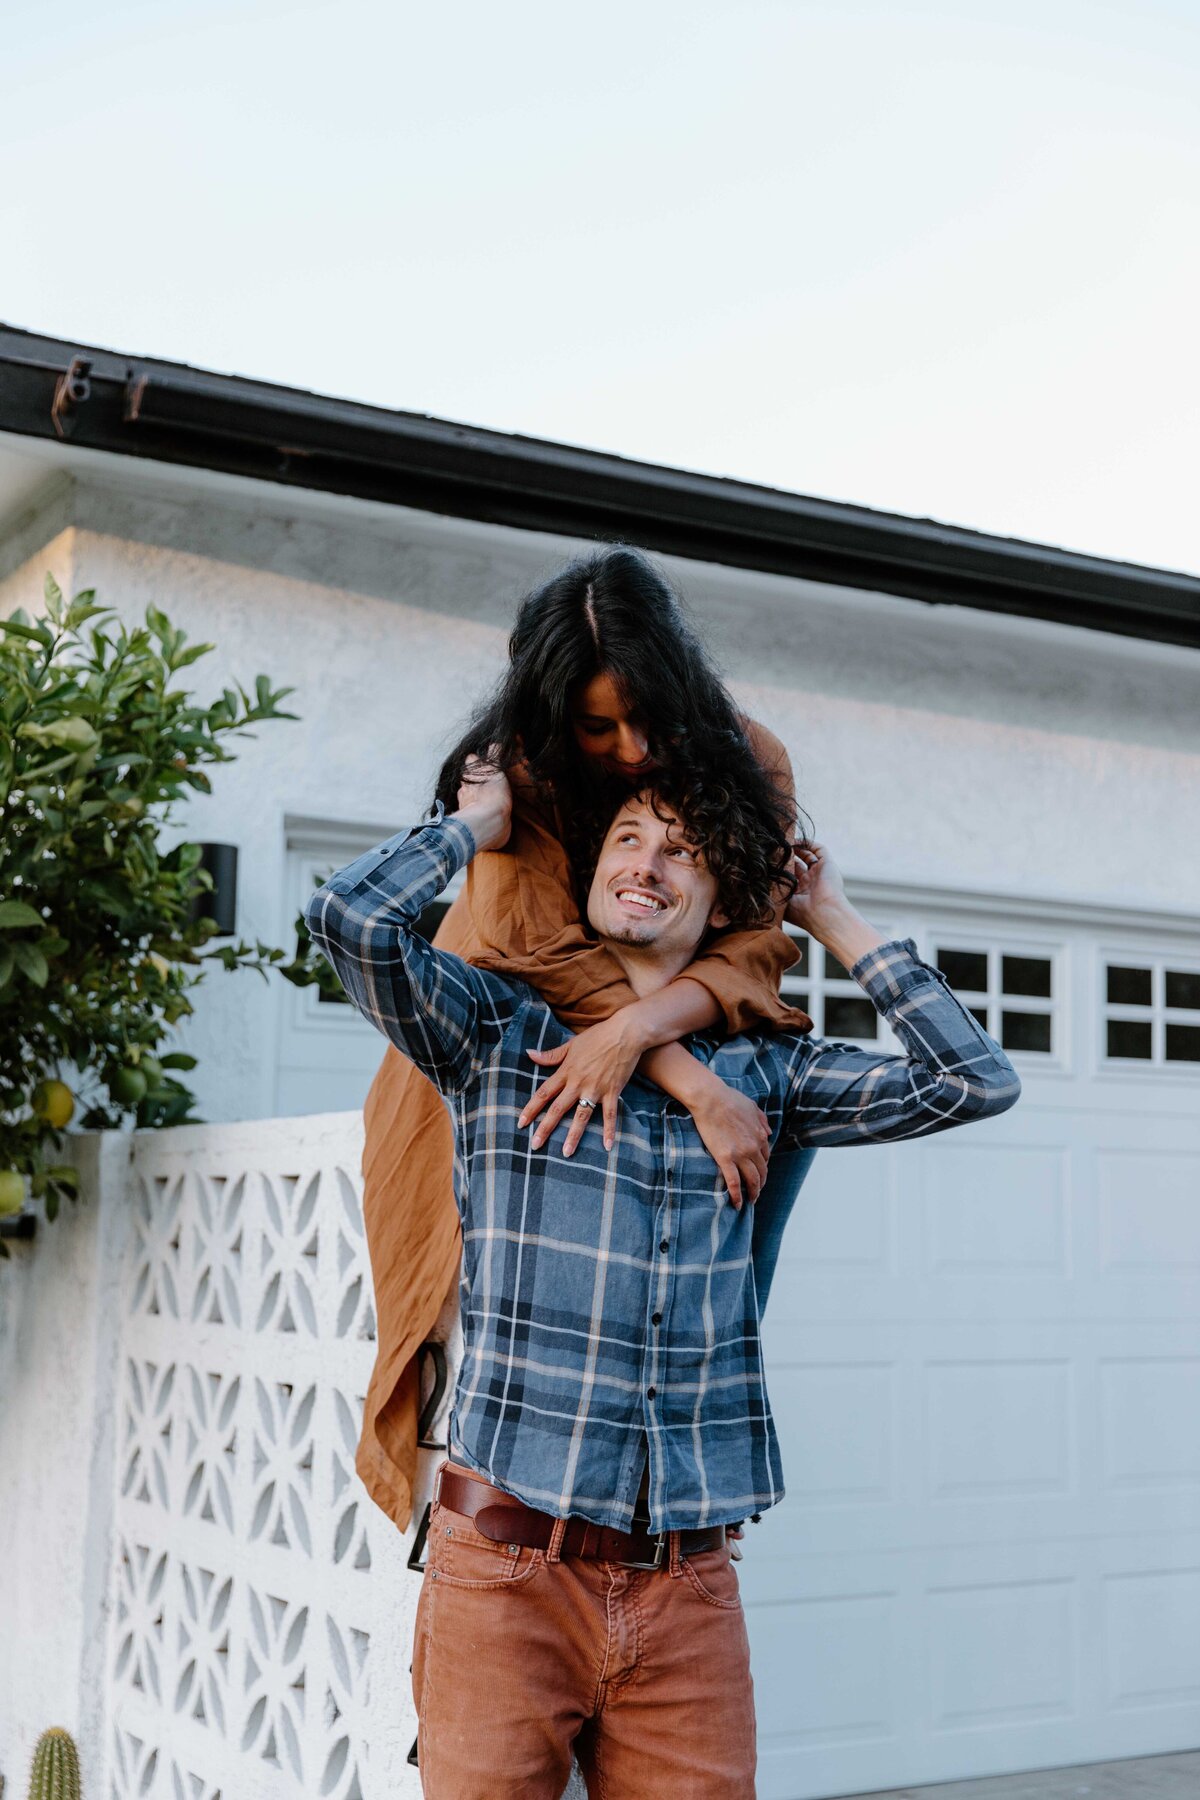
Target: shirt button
point(650, 1393)
point(665, 1244)
point(656, 1318)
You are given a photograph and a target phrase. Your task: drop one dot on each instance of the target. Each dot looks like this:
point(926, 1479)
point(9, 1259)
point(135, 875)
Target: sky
point(937, 259)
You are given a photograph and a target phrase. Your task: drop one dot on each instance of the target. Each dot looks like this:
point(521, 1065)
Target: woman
point(606, 682)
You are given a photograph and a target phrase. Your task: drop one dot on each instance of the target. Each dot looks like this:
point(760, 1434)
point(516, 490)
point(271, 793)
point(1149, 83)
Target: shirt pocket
point(460, 1556)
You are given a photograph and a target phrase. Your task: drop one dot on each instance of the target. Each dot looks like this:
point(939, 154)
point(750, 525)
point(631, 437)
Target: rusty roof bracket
point(70, 390)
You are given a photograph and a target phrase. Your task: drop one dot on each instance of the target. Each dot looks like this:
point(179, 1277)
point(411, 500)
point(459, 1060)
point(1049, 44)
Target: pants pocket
point(459, 1555)
point(713, 1574)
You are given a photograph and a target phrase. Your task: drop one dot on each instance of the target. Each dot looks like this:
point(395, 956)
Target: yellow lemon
point(54, 1102)
point(12, 1192)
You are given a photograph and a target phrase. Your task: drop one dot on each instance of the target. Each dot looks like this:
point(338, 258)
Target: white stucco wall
point(931, 745)
point(59, 1330)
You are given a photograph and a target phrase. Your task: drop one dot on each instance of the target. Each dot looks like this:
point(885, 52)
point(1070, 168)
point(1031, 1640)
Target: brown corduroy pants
point(522, 1657)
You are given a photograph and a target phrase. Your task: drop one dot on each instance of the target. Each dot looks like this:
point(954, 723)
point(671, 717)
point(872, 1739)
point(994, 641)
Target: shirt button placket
point(664, 1242)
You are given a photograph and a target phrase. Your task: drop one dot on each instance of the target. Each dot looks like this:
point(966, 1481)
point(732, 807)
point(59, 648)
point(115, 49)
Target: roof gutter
point(167, 412)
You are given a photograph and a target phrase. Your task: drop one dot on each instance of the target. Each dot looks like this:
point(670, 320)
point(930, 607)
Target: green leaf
point(41, 770)
point(31, 960)
point(6, 965)
point(121, 758)
point(53, 593)
point(73, 733)
point(82, 608)
point(39, 633)
point(177, 1059)
point(16, 913)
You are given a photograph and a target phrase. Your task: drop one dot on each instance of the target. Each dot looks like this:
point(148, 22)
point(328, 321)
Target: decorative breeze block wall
point(260, 1605)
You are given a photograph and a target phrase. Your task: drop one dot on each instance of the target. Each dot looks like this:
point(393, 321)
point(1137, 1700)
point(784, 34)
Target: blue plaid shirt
point(608, 1303)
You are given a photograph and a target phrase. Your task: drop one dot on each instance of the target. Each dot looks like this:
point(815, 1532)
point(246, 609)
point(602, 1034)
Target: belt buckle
point(658, 1555)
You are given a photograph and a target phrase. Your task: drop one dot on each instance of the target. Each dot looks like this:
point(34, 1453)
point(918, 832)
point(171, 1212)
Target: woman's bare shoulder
point(769, 750)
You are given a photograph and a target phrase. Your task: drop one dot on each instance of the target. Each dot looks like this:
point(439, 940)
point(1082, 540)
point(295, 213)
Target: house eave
point(59, 391)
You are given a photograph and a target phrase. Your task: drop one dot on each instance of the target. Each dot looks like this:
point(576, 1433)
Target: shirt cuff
point(891, 969)
point(454, 839)
point(449, 833)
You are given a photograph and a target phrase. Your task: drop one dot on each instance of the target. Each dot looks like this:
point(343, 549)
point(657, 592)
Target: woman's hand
point(595, 1065)
point(485, 802)
point(820, 907)
point(819, 887)
point(737, 1135)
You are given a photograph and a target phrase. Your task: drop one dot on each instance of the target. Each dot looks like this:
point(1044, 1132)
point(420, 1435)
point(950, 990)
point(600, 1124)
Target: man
point(610, 1322)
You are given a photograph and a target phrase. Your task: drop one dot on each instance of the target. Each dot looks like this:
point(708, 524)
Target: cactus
point(55, 1772)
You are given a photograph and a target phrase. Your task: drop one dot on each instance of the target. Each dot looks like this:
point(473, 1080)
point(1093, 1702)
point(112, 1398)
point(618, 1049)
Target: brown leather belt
point(505, 1519)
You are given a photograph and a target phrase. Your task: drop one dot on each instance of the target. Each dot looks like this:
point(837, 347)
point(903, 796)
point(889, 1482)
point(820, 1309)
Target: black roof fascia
point(168, 412)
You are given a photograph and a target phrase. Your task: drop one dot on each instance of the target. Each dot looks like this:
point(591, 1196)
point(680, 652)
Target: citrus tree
point(101, 929)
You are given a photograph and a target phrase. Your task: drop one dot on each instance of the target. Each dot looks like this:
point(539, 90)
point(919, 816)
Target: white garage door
point(984, 1360)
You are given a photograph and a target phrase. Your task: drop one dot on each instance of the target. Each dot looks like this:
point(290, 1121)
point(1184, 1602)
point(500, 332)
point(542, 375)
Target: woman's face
point(607, 732)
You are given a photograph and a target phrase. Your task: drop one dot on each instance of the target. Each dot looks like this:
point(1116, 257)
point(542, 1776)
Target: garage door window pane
point(966, 969)
point(1024, 1031)
point(1026, 975)
point(834, 970)
point(1183, 1043)
point(1128, 987)
point(1183, 988)
point(1129, 1037)
point(979, 1014)
point(849, 1018)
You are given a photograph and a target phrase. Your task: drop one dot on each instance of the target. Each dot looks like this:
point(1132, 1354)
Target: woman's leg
point(786, 1170)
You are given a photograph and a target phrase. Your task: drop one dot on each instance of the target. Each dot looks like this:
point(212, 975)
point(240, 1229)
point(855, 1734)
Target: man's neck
point(646, 973)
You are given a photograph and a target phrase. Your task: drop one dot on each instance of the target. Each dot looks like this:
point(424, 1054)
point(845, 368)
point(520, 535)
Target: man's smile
point(641, 900)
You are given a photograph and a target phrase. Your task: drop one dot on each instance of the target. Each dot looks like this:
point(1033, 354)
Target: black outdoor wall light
point(221, 904)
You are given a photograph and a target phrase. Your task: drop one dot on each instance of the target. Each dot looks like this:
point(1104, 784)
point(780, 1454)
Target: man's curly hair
point(612, 612)
point(751, 870)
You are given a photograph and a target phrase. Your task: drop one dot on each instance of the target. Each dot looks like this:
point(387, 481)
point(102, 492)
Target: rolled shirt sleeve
point(953, 1071)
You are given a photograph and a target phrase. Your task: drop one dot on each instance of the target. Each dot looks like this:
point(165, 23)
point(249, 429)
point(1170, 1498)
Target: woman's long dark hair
point(612, 612)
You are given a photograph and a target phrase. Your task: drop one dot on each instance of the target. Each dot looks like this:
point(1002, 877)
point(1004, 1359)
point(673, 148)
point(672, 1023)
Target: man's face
point(652, 888)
